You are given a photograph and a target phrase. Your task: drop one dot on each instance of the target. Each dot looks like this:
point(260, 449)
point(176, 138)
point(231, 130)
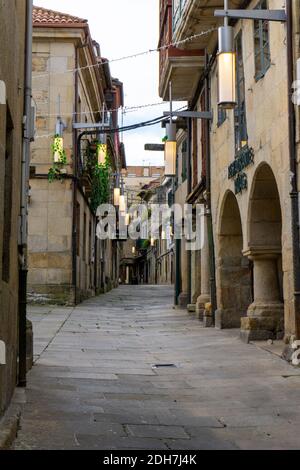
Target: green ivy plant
point(100, 174)
point(55, 172)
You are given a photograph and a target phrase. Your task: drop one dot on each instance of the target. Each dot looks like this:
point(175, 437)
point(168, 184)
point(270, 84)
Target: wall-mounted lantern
point(127, 220)
point(122, 204)
point(117, 195)
point(170, 150)
point(101, 154)
point(117, 191)
point(170, 143)
point(58, 147)
point(226, 68)
point(227, 56)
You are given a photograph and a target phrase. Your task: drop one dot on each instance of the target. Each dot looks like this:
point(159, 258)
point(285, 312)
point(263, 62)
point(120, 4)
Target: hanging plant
point(99, 166)
point(57, 172)
point(100, 185)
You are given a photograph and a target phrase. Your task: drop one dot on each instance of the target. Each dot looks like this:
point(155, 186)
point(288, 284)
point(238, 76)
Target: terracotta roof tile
point(45, 16)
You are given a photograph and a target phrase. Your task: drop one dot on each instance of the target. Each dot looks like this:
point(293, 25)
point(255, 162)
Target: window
point(240, 123)
point(221, 116)
point(261, 44)
point(7, 198)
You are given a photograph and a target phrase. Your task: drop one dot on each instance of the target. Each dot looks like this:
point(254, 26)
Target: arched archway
point(265, 315)
point(234, 270)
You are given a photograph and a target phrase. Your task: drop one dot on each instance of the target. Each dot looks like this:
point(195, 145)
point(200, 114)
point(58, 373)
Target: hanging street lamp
point(122, 204)
point(171, 143)
point(170, 150)
point(227, 55)
point(127, 220)
point(101, 154)
point(117, 191)
point(226, 66)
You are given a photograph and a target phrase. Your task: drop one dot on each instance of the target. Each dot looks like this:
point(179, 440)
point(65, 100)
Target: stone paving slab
point(93, 385)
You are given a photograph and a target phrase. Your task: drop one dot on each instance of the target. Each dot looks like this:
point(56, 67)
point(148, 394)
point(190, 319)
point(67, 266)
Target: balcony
point(184, 69)
point(190, 17)
point(181, 66)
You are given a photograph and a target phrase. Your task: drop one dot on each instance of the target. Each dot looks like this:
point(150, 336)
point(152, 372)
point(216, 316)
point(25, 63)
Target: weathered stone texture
point(12, 102)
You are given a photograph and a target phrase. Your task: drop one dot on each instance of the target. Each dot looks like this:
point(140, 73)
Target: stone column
point(183, 297)
point(265, 316)
point(196, 279)
point(204, 297)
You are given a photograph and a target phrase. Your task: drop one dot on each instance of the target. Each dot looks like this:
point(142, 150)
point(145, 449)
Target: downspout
point(189, 190)
point(27, 138)
point(293, 169)
point(75, 183)
point(210, 235)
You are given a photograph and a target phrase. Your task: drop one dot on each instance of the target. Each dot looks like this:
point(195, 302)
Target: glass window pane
point(261, 43)
point(266, 57)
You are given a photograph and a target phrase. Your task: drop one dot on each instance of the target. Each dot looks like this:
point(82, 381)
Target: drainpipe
point(293, 169)
point(189, 184)
point(212, 262)
point(27, 138)
point(75, 183)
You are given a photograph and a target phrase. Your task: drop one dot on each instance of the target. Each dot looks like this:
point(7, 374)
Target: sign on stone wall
point(243, 159)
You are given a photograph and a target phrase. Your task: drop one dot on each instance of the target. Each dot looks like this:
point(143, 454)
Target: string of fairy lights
point(127, 109)
point(132, 56)
point(151, 122)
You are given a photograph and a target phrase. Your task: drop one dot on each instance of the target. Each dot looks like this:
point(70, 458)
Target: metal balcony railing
point(178, 9)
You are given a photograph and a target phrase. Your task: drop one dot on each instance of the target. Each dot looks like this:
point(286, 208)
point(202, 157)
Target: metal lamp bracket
point(265, 15)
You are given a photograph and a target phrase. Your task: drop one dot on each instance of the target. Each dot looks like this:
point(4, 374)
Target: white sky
point(124, 27)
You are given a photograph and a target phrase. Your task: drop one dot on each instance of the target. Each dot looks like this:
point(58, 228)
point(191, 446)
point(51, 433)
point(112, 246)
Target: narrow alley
point(127, 371)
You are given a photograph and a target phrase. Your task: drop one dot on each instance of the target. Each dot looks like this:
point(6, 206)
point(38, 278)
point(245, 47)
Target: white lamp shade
point(122, 204)
point(133, 250)
point(117, 195)
point(227, 80)
point(170, 158)
point(58, 148)
point(127, 220)
point(102, 150)
point(152, 241)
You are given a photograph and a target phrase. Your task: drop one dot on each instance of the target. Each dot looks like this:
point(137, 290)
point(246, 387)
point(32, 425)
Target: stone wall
point(12, 38)
point(51, 210)
point(267, 125)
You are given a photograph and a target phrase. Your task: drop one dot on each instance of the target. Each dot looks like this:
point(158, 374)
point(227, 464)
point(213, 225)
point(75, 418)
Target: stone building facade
point(12, 91)
point(72, 84)
point(239, 169)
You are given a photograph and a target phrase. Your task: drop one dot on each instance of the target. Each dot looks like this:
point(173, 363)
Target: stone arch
point(264, 211)
point(265, 315)
point(234, 273)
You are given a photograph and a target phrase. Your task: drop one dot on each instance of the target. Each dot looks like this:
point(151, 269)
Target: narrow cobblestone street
point(94, 385)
